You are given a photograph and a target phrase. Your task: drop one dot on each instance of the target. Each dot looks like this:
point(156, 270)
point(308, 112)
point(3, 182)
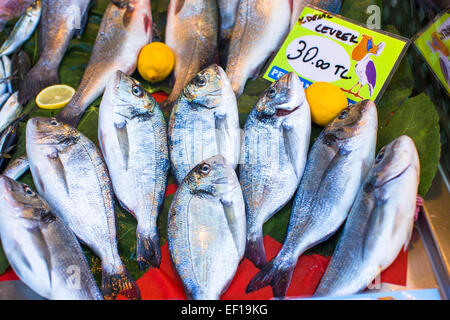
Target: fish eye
point(205, 168)
point(53, 122)
point(272, 92)
point(29, 192)
point(380, 156)
point(137, 91)
point(200, 81)
point(343, 114)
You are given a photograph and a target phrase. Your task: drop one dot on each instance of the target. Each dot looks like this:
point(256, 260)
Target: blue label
point(276, 73)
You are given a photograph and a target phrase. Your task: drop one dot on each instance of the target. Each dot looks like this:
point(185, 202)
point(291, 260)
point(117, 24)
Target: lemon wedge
point(55, 97)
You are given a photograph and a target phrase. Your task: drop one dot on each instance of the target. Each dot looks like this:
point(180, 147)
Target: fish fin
point(290, 142)
point(59, 169)
point(274, 274)
point(232, 213)
point(255, 251)
point(84, 21)
point(178, 6)
point(221, 133)
point(373, 226)
point(148, 251)
point(119, 282)
point(37, 79)
point(124, 144)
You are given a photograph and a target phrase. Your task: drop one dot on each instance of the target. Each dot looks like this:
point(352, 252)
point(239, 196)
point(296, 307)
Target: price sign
point(329, 48)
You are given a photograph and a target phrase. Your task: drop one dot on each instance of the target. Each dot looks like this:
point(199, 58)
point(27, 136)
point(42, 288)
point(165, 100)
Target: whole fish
point(70, 173)
point(17, 168)
point(7, 143)
point(380, 223)
point(125, 29)
point(11, 9)
point(60, 21)
point(228, 13)
point(206, 229)
point(261, 27)
point(10, 111)
point(192, 34)
point(23, 29)
point(337, 164)
point(204, 122)
point(333, 6)
point(42, 251)
point(133, 139)
point(274, 151)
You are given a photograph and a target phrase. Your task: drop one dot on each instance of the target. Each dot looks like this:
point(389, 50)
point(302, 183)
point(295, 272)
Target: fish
point(261, 27)
point(11, 9)
point(206, 229)
point(42, 251)
point(228, 13)
point(69, 172)
point(23, 29)
point(10, 111)
point(274, 151)
point(204, 122)
point(17, 168)
point(21, 65)
point(337, 163)
point(380, 223)
point(3, 98)
point(192, 34)
point(125, 29)
point(7, 66)
point(60, 22)
point(333, 6)
point(133, 139)
point(3, 80)
point(7, 143)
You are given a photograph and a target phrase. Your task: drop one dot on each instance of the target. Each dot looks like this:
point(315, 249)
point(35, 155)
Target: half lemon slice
point(55, 97)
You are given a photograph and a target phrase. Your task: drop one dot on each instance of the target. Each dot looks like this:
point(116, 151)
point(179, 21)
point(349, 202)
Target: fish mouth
point(285, 112)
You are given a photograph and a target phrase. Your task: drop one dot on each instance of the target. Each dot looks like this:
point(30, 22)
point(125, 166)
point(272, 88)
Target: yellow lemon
point(326, 101)
point(55, 97)
point(155, 62)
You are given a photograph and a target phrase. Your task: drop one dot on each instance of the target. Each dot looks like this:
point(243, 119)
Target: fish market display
point(380, 223)
point(70, 173)
point(10, 111)
point(125, 29)
point(298, 6)
point(206, 229)
point(133, 139)
point(275, 147)
point(23, 29)
point(59, 22)
point(11, 9)
point(17, 168)
point(192, 34)
point(261, 27)
point(204, 122)
point(43, 252)
point(337, 164)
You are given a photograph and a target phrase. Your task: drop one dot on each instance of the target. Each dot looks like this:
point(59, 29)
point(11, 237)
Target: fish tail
point(276, 274)
point(119, 281)
point(255, 251)
point(167, 105)
point(37, 79)
point(147, 250)
point(72, 113)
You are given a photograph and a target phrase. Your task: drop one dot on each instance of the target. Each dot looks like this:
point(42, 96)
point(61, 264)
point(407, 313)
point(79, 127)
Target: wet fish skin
point(10, 111)
point(274, 151)
point(204, 122)
point(11, 9)
point(206, 229)
point(17, 168)
point(59, 23)
point(43, 252)
point(228, 12)
point(333, 6)
point(70, 173)
point(337, 164)
point(380, 223)
point(7, 144)
point(7, 66)
point(123, 32)
point(23, 29)
point(192, 34)
point(133, 140)
point(261, 27)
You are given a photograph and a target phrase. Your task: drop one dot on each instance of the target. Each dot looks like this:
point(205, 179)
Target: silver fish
point(261, 27)
point(380, 223)
point(17, 168)
point(60, 21)
point(7, 144)
point(70, 173)
point(204, 122)
point(192, 34)
point(8, 72)
point(23, 29)
point(337, 164)
point(206, 229)
point(333, 6)
point(11, 9)
point(274, 151)
point(10, 111)
point(125, 29)
point(42, 251)
point(133, 140)
point(3, 98)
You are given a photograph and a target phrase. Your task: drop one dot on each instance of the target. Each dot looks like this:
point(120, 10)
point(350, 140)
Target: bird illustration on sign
point(365, 67)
